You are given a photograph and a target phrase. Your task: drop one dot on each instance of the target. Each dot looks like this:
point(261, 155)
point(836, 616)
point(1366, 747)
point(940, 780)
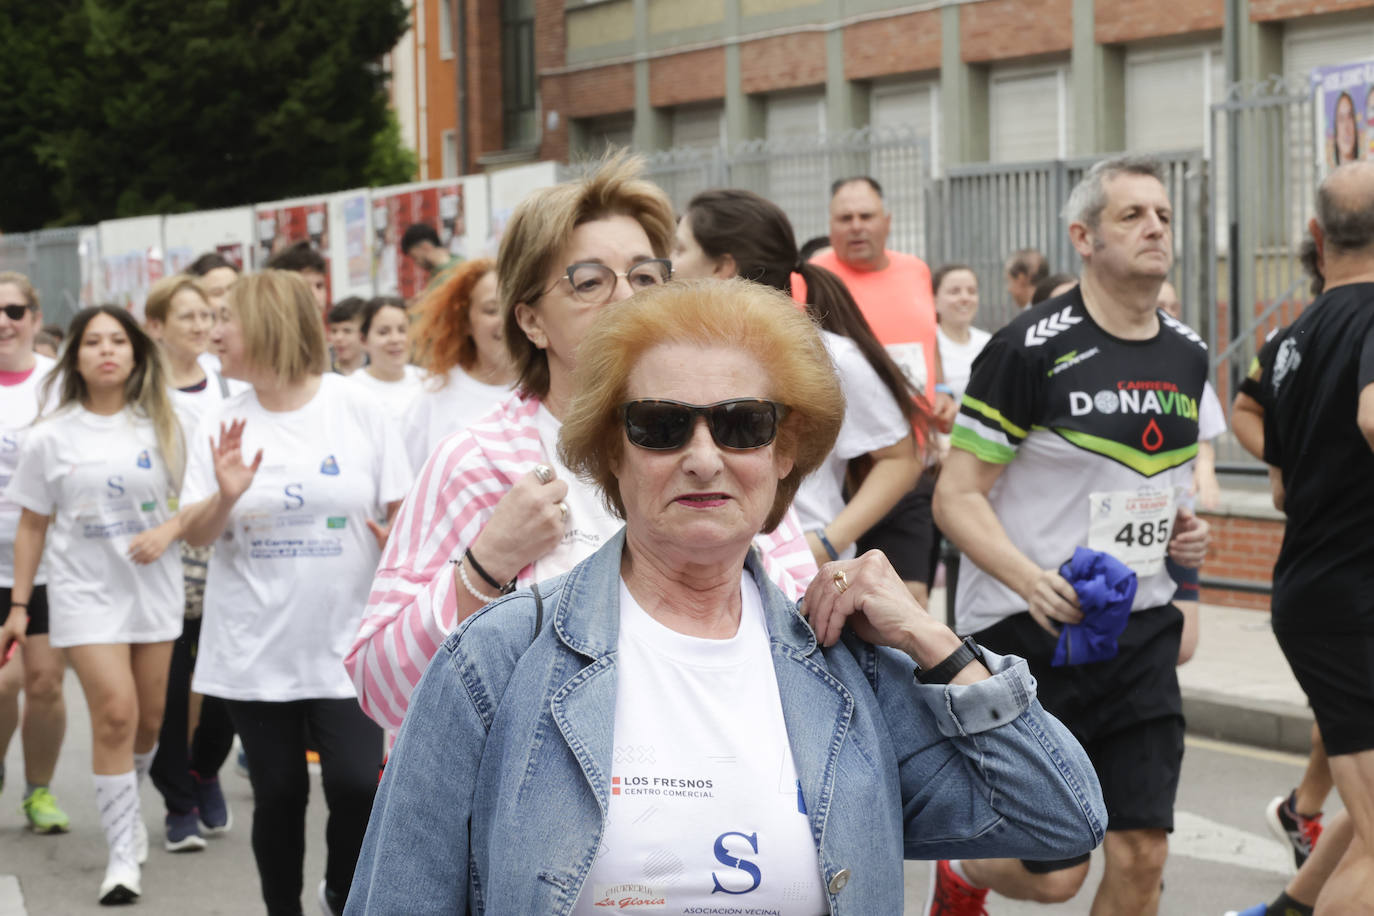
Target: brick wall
point(1262, 10)
point(1007, 29)
point(484, 81)
point(599, 91)
point(1119, 21)
point(1244, 549)
point(697, 76)
point(902, 44)
point(784, 62)
point(441, 85)
point(550, 51)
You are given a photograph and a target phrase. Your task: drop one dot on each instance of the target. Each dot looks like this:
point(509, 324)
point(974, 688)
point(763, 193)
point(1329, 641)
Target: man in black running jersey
point(1079, 428)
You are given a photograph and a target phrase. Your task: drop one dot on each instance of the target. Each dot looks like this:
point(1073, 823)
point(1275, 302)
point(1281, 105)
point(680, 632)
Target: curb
point(1268, 724)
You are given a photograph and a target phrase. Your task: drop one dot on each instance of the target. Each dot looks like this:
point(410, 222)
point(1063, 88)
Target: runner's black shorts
point(1336, 671)
point(1126, 712)
point(38, 609)
point(907, 534)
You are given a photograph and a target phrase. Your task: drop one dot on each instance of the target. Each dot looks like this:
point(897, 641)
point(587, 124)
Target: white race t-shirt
point(395, 396)
point(289, 578)
point(872, 420)
point(706, 813)
point(103, 481)
point(19, 405)
point(956, 359)
point(589, 523)
point(439, 412)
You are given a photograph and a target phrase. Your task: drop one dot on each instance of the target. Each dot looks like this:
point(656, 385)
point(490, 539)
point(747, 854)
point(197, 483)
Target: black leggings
point(350, 748)
point(209, 745)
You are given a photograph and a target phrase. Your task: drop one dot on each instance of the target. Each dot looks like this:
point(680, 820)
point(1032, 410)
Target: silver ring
point(841, 580)
point(563, 508)
point(544, 473)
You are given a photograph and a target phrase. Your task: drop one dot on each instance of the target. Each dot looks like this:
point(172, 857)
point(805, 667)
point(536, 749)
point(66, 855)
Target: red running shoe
point(950, 895)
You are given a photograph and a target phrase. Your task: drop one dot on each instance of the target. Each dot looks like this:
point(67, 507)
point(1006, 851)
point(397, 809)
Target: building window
point(1029, 110)
point(519, 105)
point(446, 29)
point(594, 136)
point(451, 168)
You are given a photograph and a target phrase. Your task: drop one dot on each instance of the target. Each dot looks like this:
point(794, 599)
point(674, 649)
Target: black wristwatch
point(955, 662)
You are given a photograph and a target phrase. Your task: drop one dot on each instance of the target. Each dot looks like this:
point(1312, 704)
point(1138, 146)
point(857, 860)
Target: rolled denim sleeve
point(985, 771)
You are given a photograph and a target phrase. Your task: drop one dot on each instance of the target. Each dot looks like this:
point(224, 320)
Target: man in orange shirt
point(894, 293)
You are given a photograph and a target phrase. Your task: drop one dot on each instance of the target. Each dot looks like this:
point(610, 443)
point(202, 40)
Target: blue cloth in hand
point(1106, 587)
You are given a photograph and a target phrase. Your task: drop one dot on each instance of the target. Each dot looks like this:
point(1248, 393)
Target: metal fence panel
point(51, 260)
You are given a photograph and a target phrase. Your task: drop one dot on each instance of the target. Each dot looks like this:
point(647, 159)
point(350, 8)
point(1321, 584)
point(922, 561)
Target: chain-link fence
point(1265, 183)
point(51, 260)
point(796, 173)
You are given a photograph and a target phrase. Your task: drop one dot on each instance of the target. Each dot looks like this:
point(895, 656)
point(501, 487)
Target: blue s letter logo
point(116, 486)
point(294, 498)
point(724, 857)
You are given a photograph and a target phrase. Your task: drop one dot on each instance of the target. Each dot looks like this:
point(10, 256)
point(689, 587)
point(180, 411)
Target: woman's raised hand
point(527, 523)
point(233, 476)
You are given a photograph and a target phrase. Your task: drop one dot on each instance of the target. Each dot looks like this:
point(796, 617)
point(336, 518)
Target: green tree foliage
point(128, 107)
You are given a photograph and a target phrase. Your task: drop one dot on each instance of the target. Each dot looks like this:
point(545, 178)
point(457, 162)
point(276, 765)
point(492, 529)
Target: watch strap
point(955, 662)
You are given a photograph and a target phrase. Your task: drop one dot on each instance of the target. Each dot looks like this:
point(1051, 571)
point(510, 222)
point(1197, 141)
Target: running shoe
point(43, 814)
point(330, 903)
point(1293, 829)
point(140, 839)
point(215, 817)
point(950, 895)
point(122, 884)
point(1258, 909)
point(183, 833)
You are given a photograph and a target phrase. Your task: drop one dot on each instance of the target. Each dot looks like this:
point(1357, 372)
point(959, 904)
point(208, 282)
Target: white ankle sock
point(117, 798)
point(957, 866)
point(143, 763)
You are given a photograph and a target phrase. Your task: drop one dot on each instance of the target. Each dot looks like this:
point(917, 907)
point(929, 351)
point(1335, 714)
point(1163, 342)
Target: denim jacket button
point(840, 879)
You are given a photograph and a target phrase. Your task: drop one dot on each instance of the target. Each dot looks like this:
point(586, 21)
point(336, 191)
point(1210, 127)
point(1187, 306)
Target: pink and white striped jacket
point(412, 608)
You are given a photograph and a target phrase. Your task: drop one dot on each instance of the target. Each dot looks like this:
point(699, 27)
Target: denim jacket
point(494, 799)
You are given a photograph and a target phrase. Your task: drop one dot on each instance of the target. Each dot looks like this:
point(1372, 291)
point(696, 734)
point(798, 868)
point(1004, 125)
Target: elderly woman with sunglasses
point(662, 730)
point(493, 507)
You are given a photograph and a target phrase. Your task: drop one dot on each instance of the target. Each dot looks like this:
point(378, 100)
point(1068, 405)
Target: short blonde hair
point(543, 225)
point(15, 278)
point(158, 305)
point(281, 324)
point(729, 314)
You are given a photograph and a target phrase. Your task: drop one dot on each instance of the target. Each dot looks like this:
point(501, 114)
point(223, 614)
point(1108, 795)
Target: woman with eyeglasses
point(494, 506)
point(662, 730)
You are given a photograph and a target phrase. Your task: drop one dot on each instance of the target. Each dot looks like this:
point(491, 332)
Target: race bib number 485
point(1133, 525)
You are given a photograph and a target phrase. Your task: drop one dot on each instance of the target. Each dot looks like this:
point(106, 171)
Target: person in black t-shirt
point(1319, 443)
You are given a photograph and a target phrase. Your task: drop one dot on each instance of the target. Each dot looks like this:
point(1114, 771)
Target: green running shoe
point(43, 814)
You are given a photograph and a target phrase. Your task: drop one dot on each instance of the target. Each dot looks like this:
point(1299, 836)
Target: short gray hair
point(1345, 215)
point(1088, 198)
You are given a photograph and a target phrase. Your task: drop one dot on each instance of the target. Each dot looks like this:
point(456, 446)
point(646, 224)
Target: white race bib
point(1133, 525)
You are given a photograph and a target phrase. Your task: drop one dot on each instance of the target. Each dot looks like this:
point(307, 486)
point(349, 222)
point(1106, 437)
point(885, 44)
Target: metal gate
point(51, 260)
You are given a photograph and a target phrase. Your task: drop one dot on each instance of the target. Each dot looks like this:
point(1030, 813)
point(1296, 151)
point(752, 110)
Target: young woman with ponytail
point(730, 232)
point(103, 471)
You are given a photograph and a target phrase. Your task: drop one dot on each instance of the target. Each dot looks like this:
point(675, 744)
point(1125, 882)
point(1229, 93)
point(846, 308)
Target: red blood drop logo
point(1152, 438)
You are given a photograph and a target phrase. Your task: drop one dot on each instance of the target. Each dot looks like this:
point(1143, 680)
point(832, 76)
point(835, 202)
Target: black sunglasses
point(17, 312)
point(740, 423)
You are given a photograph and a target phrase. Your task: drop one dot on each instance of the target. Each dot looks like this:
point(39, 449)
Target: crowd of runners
point(254, 513)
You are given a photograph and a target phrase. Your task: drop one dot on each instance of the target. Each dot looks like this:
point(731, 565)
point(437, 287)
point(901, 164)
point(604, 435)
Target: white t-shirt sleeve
point(872, 419)
point(1211, 419)
point(29, 486)
point(199, 482)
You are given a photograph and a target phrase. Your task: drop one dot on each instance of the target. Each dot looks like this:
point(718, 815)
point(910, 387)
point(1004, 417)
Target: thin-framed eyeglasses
point(594, 283)
point(741, 424)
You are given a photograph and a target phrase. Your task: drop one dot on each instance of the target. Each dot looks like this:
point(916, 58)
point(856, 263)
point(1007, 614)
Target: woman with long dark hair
point(736, 233)
point(103, 472)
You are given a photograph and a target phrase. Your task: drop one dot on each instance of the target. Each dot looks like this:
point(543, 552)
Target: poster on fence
point(283, 223)
point(228, 232)
point(131, 260)
point(1345, 113)
point(440, 205)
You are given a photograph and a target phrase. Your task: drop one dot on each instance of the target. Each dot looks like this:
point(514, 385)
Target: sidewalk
point(1238, 687)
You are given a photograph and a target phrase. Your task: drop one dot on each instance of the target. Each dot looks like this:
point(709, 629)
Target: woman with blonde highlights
point(302, 474)
point(697, 738)
point(103, 472)
point(493, 505)
point(461, 344)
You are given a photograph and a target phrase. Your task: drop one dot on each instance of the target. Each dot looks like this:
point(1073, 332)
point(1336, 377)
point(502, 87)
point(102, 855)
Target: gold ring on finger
point(841, 580)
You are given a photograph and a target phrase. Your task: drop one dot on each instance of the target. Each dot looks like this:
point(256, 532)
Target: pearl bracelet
point(467, 584)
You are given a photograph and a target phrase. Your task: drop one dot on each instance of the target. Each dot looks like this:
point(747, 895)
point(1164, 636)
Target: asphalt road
point(1221, 856)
